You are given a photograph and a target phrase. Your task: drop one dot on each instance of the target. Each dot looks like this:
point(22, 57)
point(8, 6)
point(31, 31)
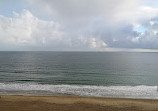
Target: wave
point(142, 91)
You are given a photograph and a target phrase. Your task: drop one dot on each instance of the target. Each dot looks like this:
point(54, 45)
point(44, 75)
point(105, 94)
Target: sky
point(79, 25)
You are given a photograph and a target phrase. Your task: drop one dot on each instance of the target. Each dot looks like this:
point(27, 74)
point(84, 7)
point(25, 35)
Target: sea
point(90, 74)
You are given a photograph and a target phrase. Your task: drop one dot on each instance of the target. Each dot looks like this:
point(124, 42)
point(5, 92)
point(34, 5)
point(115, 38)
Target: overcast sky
point(79, 25)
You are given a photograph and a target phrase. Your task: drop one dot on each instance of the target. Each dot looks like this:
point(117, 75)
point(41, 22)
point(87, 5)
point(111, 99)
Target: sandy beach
point(70, 103)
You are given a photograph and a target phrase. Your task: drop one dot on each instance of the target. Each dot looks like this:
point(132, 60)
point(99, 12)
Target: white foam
point(148, 92)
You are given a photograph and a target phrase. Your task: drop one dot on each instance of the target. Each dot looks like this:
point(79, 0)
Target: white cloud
point(27, 30)
point(82, 25)
point(95, 43)
point(153, 22)
point(109, 21)
point(113, 11)
point(155, 32)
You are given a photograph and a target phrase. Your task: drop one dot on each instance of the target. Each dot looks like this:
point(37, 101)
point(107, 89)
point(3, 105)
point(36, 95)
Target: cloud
point(149, 38)
point(109, 21)
point(81, 25)
point(109, 10)
point(25, 30)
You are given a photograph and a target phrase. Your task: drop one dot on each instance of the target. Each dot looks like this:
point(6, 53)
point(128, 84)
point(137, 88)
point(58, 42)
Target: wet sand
point(70, 103)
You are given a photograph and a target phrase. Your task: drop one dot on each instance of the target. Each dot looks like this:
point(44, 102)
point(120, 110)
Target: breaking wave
point(142, 91)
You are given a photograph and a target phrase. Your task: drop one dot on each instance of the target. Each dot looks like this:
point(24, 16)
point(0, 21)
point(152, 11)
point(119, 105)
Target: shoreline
point(74, 103)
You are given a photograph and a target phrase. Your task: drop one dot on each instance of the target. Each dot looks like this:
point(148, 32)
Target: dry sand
point(63, 103)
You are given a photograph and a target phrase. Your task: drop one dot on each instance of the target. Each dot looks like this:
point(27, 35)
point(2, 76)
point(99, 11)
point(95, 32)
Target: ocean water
point(97, 74)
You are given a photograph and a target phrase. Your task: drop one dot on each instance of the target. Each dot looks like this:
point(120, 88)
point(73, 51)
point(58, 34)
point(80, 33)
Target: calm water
point(118, 74)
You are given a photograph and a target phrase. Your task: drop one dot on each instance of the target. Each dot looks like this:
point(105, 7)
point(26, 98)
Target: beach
point(74, 103)
point(78, 81)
